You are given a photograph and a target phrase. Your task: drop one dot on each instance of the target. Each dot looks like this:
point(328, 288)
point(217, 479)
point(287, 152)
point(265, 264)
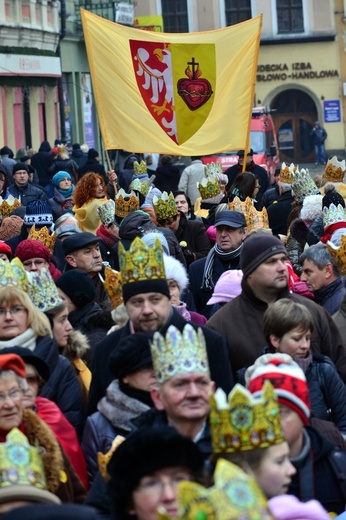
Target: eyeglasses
point(15, 395)
point(155, 486)
point(38, 263)
point(13, 311)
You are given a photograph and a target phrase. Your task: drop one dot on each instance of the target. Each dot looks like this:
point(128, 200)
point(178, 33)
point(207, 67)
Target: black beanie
point(132, 353)
point(20, 166)
point(145, 286)
point(142, 453)
point(332, 197)
point(258, 248)
point(78, 286)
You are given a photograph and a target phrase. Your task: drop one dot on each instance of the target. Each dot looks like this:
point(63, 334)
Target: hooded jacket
point(42, 161)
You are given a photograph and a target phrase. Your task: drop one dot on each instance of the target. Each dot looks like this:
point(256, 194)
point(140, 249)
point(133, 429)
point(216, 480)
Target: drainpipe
point(58, 51)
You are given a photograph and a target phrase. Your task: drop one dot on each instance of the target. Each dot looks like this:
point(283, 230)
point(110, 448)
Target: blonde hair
point(38, 321)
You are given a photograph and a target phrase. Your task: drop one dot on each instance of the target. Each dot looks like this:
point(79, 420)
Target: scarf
point(182, 310)
point(329, 230)
point(26, 340)
point(107, 237)
point(304, 363)
point(66, 193)
point(207, 281)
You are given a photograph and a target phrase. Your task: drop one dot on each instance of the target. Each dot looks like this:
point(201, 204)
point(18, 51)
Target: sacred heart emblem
point(194, 90)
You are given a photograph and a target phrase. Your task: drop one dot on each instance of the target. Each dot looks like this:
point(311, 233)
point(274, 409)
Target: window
point(175, 19)
point(290, 16)
point(237, 11)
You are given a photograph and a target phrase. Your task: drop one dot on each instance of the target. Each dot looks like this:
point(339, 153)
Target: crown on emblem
point(179, 352)
point(209, 185)
point(244, 422)
point(333, 215)
point(43, 235)
point(165, 206)
point(13, 274)
point(20, 463)
point(339, 254)
point(303, 185)
point(8, 205)
point(125, 203)
point(141, 262)
point(286, 172)
point(254, 219)
point(335, 170)
point(106, 212)
point(42, 291)
point(140, 168)
point(113, 286)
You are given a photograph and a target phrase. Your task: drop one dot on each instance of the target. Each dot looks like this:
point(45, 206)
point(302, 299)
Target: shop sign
point(292, 71)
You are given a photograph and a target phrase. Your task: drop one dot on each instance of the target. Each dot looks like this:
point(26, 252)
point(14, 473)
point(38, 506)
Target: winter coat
point(41, 161)
point(278, 213)
point(331, 296)
point(167, 178)
point(240, 323)
point(27, 193)
point(220, 369)
point(339, 318)
point(270, 196)
point(87, 215)
point(193, 233)
point(299, 236)
point(60, 204)
point(257, 170)
point(92, 165)
point(65, 165)
point(79, 157)
point(192, 175)
point(318, 135)
point(113, 418)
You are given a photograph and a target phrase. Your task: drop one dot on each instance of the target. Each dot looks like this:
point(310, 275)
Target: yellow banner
point(179, 94)
point(149, 23)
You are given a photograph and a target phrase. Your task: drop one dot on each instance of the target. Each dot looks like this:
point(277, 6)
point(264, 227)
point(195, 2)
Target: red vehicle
point(263, 141)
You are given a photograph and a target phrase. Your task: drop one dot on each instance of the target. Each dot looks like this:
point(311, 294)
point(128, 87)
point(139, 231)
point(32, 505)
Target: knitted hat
point(5, 250)
point(149, 239)
point(10, 227)
point(20, 166)
point(78, 286)
point(132, 353)
point(12, 362)
point(287, 378)
point(332, 197)
point(58, 177)
point(257, 249)
point(227, 287)
point(92, 153)
point(28, 249)
point(29, 358)
point(38, 212)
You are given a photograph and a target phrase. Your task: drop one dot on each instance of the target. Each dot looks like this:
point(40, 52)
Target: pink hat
point(288, 507)
point(227, 287)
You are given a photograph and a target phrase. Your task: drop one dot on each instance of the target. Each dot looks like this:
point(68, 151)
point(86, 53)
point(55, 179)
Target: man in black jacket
point(92, 165)
point(22, 189)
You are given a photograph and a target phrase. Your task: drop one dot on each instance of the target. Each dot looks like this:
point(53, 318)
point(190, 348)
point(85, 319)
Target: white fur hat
point(312, 207)
point(176, 271)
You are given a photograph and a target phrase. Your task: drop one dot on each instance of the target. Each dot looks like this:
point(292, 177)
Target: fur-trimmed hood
point(77, 345)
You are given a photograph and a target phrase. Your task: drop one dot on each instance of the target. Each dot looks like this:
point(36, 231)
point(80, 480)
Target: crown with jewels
point(179, 352)
point(113, 286)
point(333, 215)
point(8, 205)
point(234, 496)
point(286, 173)
point(43, 235)
point(213, 169)
point(254, 219)
point(42, 291)
point(335, 170)
point(125, 203)
point(13, 274)
point(303, 185)
point(244, 422)
point(165, 206)
point(140, 168)
point(141, 262)
point(141, 186)
point(209, 185)
point(339, 254)
point(106, 212)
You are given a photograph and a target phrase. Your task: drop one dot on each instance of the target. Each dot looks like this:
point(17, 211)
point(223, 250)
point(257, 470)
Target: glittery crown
point(339, 254)
point(254, 219)
point(20, 463)
point(106, 212)
point(13, 274)
point(43, 235)
point(113, 286)
point(286, 172)
point(141, 262)
point(244, 422)
point(179, 353)
point(209, 186)
point(140, 168)
point(234, 496)
point(333, 215)
point(212, 169)
point(42, 291)
point(303, 185)
point(335, 170)
point(125, 203)
point(104, 458)
point(165, 206)
point(8, 205)
point(141, 186)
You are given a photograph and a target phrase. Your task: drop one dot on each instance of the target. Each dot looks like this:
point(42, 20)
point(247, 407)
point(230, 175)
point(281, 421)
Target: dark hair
point(285, 315)
point(243, 186)
point(166, 159)
point(188, 200)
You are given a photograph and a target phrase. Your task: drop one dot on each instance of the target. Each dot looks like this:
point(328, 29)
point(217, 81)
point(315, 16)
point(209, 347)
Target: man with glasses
point(35, 256)
point(22, 189)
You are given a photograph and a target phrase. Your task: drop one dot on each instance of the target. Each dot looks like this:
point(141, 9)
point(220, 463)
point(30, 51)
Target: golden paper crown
point(254, 219)
point(42, 291)
point(141, 186)
point(333, 215)
point(208, 187)
point(335, 170)
point(234, 496)
point(165, 206)
point(244, 422)
point(113, 286)
point(104, 458)
point(43, 235)
point(179, 353)
point(106, 212)
point(141, 262)
point(125, 203)
point(13, 274)
point(303, 185)
point(213, 169)
point(339, 254)
point(8, 205)
point(140, 168)
point(285, 173)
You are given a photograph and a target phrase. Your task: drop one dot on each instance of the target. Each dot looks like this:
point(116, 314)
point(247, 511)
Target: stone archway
point(294, 113)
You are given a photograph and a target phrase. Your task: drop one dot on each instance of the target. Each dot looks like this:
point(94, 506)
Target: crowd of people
point(172, 345)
